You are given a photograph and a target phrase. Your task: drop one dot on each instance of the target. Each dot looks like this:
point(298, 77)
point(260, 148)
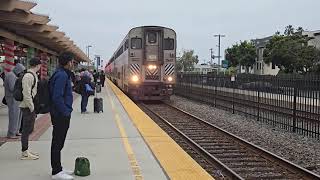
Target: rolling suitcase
point(97, 102)
point(97, 105)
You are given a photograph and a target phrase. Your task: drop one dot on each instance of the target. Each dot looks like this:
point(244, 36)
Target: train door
point(152, 42)
point(153, 54)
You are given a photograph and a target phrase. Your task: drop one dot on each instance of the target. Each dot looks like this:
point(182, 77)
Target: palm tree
point(289, 30)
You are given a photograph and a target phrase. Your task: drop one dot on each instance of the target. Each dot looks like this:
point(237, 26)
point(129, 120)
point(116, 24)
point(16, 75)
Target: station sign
point(225, 63)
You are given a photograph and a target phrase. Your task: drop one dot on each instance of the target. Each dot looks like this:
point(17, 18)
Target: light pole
point(88, 53)
point(97, 57)
point(219, 56)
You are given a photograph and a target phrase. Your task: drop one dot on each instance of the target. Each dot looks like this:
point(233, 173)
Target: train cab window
point(119, 52)
point(152, 37)
point(168, 44)
point(136, 43)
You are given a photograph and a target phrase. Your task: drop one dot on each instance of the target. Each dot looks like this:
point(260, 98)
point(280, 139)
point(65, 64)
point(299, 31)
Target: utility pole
point(211, 55)
point(219, 55)
point(88, 51)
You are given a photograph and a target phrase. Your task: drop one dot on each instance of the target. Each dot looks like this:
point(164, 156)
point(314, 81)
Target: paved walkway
point(99, 137)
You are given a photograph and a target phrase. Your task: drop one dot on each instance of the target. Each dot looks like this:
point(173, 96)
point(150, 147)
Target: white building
point(205, 68)
point(260, 67)
point(315, 35)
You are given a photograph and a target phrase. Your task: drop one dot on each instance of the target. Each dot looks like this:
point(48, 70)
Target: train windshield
point(136, 43)
point(168, 44)
point(152, 37)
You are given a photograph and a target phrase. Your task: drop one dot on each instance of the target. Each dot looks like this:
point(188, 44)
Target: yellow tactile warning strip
point(174, 160)
point(131, 156)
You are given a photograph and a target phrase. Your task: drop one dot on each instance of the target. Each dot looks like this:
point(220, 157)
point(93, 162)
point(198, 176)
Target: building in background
point(260, 67)
point(315, 38)
point(205, 68)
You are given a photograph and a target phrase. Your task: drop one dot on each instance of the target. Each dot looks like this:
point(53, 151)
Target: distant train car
point(143, 66)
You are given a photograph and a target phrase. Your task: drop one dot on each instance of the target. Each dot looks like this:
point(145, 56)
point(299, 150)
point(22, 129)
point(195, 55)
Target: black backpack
point(42, 100)
point(17, 91)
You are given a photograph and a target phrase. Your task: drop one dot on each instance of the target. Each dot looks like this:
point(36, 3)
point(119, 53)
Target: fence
point(288, 102)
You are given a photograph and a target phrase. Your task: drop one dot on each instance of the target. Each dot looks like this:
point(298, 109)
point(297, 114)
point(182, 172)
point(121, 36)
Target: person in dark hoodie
point(13, 106)
point(62, 99)
point(85, 79)
point(102, 78)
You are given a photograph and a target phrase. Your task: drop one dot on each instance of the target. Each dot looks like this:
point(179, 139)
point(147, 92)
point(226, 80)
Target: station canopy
point(18, 23)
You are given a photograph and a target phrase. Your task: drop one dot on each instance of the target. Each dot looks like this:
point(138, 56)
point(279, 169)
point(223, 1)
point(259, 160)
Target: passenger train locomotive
point(143, 66)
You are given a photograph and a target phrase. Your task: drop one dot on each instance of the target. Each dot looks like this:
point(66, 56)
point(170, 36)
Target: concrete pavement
point(99, 137)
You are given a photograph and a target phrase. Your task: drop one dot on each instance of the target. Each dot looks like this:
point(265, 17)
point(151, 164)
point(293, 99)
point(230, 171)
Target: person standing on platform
point(85, 79)
point(102, 78)
point(62, 100)
point(85, 72)
point(95, 76)
point(13, 105)
point(29, 91)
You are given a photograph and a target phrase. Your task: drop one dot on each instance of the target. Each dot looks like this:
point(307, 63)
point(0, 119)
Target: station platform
point(121, 143)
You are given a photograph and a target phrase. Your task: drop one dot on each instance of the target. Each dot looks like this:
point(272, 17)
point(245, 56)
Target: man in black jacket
point(62, 100)
point(102, 78)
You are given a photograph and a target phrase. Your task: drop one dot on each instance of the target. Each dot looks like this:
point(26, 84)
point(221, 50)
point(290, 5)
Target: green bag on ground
point(82, 167)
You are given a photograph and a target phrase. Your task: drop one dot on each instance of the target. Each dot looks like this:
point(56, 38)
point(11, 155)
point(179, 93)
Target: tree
point(290, 52)
point(316, 68)
point(231, 71)
point(289, 30)
point(248, 54)
point(187, 61)
point(299, 30)
point(242, 54)
point(232, 55)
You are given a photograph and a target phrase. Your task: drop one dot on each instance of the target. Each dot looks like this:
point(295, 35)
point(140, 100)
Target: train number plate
point(152, 57)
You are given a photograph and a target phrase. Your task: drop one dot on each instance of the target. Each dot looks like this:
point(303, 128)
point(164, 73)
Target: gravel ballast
point(300, 150)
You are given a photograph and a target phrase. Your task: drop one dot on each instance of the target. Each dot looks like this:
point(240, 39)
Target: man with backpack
point(61, 109)
point(29, 83)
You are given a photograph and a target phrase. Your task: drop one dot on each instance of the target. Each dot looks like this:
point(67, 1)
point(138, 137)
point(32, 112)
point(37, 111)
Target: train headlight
point(152, 67)
point(170, 79)
point(135, 78)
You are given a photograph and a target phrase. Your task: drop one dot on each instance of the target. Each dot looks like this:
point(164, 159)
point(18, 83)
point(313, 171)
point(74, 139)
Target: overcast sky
point(103, 23)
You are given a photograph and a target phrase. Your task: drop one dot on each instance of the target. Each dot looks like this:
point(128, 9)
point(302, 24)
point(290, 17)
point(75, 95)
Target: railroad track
point(234, 157)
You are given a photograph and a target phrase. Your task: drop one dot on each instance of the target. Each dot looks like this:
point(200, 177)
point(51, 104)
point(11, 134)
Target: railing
point(288, 102)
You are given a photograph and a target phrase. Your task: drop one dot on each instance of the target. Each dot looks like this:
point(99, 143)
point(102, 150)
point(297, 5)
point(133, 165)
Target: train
point(143, 66)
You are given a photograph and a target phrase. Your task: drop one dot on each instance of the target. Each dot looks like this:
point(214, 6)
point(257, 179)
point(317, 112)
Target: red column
point(9, 55)
point(44, 66)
